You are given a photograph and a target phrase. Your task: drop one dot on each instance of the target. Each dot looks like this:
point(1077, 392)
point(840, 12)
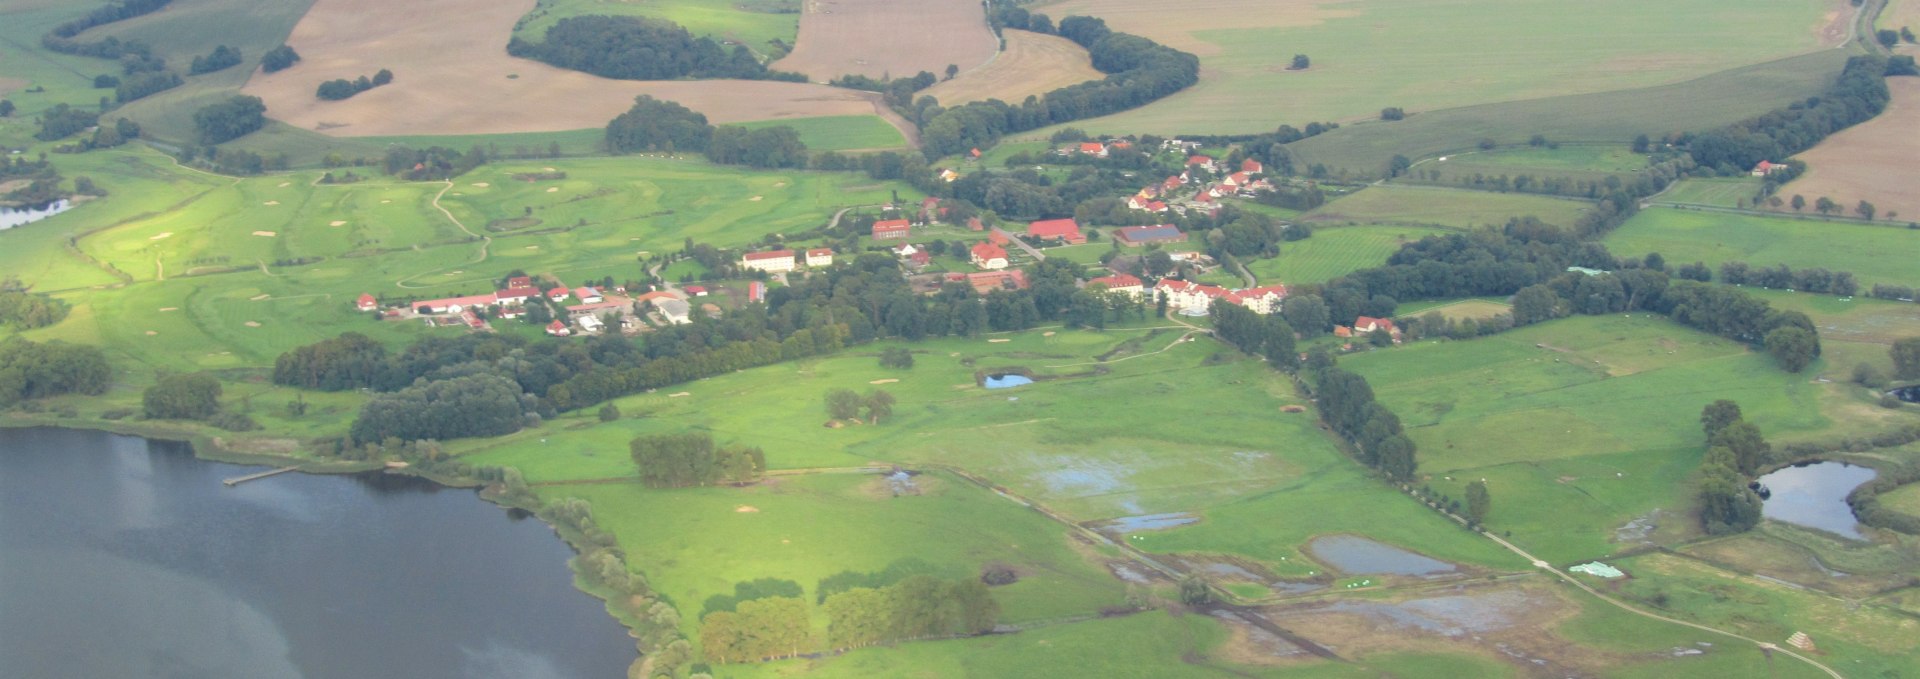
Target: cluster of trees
point(461, 403)
point(1735, 450)
point(845, 404)
point(692, 459)
point(182, 396)
point(665, 126)
point(916, 607)
point(222, 57)
point(1906, 358)
point(140, 85)
point(30, 370)
point(1644, 183)
point(63, 121)
point(1269, 336)
point(122, 130)
point(23, 310)
point(432, 163)
point(43, 186)
point(1347, 405)
point(228, 120)
point(1858, 94)
point(766, 147)
point(896, 357)
point(279, 59)
point(341, 88)
point(1138, 71)
point(636, 48)
point(896, 92)
point(1898, 293)
point(1812, 279)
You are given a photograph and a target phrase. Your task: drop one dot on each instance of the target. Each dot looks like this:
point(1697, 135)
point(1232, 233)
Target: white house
point(988, 256)
point(771, 261)
point(1263, 300)
point(1121, 283)
point(820, 257)
point(590, 324)
point(588, 295)
point(677, 312)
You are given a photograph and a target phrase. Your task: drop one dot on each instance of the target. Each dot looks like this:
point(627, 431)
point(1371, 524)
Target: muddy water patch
point(1355, 555)
point(1147, 522)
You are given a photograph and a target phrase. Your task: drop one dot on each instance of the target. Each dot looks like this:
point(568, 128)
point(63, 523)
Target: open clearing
point(1458, 208)
point(1875, 254)
point(451, 76)
point(1032, 64)
point(895, 38)
point(749, 22)
point(1336, 251)
point(1872, 161)
point(1369, 54)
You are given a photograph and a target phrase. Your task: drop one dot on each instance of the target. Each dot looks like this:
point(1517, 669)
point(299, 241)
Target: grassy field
point(1458, 310)
point(753, 23)
point(1376, 53)
point(1336, 251)
point(1875, 254)
point(1581, 163)
point(1905, 499)
point(1443, 207)
point(1703, 103)
point(841, 133)
point(1595, 417)
point(1717, 192)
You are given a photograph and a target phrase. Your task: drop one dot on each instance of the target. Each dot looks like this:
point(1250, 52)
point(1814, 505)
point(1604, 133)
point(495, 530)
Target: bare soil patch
point(1033, 63)
point(1176, 24)
point(877, 38)
point(450, 77)
point(1872, 161)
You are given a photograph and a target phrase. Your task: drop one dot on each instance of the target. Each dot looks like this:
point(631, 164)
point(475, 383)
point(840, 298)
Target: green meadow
point(1875, 254)
point(1618, 116)
point(1336, 251)
point(1596, 418)
point(1434, 206)
point(1573, 162)
point(1716, 192)
point(839, 133)
point(750, 22)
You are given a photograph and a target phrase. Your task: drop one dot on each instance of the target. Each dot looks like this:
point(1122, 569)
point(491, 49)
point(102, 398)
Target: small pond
point(1146, 522)
point(1005, 381)
point(16, 216)
point(1354, 555)
point(1814, 495)
point(1910, 394)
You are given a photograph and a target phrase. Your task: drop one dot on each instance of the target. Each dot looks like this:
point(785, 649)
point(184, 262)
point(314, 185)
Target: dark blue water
point(1006, 381)
point(121, 557)
point(1815, 495)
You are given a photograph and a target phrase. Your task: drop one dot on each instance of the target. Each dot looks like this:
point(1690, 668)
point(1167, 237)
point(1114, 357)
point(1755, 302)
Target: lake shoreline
point(211, 448)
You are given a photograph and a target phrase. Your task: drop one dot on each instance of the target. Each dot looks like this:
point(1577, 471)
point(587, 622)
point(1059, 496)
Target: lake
point(17, 216)
point(1815, 495)
point(1006, 381)
point(121, 557)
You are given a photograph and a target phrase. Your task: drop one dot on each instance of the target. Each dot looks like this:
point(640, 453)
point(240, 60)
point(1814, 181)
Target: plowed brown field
point(1033, 63)
point(878, 38)
point(1872, 161)
point(452, 75)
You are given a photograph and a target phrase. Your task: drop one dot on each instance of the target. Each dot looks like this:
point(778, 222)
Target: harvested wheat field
point(1033, 63)
point(879, 38)
point(452, 75)
point(1872, 161)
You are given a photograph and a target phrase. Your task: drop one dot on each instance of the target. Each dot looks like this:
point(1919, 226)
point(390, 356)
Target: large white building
point(1196, 297)
point(771, 261)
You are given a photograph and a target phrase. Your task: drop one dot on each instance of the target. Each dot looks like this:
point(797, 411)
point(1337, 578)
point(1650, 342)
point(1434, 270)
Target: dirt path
point(1767, 646)
point(907, 128)
point(485, 241)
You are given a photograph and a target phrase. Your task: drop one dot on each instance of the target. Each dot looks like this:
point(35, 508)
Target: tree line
point(145, 73)
point(233, 118)
point(638, 48)
point(221, 58)
point(31, 370)
point(1735, 451)
point(342, 88)
point(692, 459)
point(23, 310)
point(668, 127)
point(1858, 94)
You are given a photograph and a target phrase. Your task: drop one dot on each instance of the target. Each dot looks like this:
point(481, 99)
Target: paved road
point(1032, 251)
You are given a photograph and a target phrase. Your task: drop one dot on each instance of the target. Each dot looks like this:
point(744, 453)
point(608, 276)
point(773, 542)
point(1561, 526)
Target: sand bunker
point(679, 394)
point(285, 184)
point(779, 184)
point(747, 509)
point(1048, 333)
point(251, 324)
point(151, 333)
point(997, 341)
point(755, 199)
point(547, 169)
point(169, 308)
point(384, 202)
point(271, 202)
point(337, 223)
point(553, 189)
point(265, 234)
point(533, 247)
point(885, 381)
point(481, 185)
point(168, 234)
point(258, 297)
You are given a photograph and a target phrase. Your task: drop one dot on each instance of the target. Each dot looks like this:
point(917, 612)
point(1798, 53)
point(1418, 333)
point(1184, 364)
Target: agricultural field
point(1457, 310)
point(876, 38)
point(1711, 191)
point(1032, 64)
point(1706, 102)
point(753, 23)
point(1336, 251)
point(1875, 254)
point(841, 133)
point(1581, 163)
point(1595, 417)
point(1456, 208)
point(1901, 14)
point(1871, 161)
point(452, 78)
point(1371, 54)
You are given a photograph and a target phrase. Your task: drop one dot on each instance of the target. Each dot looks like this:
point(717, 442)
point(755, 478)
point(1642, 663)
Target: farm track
point(485, 241)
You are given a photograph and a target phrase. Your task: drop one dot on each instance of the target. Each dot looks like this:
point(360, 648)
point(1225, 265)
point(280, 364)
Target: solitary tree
point(1717, 415)
point(1793, 346)
point(843, 404)
point(1478, 502)
point(609, 412)
point(1865, 210)
point(1799, 202)
point(1194, 591)
point(1906, 359)
point(952, 70)
point(879, 405)
point(1300, 62)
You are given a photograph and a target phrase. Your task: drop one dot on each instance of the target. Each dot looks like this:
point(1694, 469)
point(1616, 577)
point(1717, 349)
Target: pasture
point(754, 23)
point(451, 77)
point(1904, 499)
point(1580, 163)
point(1875, 254)
point(1435, 206)
point(1594, 417)
point(876, 38)
point(1703, 103)
point(841, 133)
point(1477, 309)
point(1371, 54)
point(1032, 64)
point(1711, 191)
point(1872, 161)
point(1333, 252)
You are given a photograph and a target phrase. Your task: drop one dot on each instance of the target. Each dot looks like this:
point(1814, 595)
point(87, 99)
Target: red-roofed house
point(975, 153)
point(367, 303)
point(929, 209)
point(696, 290)
point(517, 296)
point(914, 257)
point(1063, 230)
point(1367, 324)
point(588, 295)
point(1156, 206)
point(1172, 183)
point(756, 291)
point(820, 257)
point(989, 256)
point(520, 282)
point(1265, 299)
point(772, 261)
point(1093, 148)
point(891, 229)
point(1237, 180)
point(1253, 166)
point(1120, 283)
point(1202, 162)
point(974, 224)
point(1766, 168)
point(473, 320)
point(558, 329)
point(998, 237)
point(454, 305)
point(559, 293)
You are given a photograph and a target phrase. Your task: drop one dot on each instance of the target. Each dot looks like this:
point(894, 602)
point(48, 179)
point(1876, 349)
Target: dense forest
point(30, 370)
point(665, 126)
point(341, 88)
point(635, 48)
point(234, 118)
